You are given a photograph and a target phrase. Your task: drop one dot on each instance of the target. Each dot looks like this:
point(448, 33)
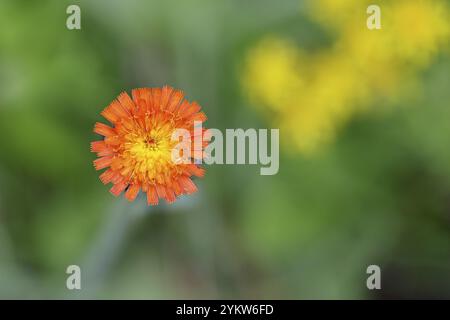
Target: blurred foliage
point(378, 193)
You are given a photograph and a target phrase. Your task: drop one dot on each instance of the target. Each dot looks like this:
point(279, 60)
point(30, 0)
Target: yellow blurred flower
point(418, 28)
point(311, 96)
point(329, 97)
point(273, 72)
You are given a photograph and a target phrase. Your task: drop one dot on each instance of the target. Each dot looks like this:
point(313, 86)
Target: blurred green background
point(377, 193)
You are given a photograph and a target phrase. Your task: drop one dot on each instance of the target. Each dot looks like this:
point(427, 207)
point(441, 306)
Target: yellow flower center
point(149, 154)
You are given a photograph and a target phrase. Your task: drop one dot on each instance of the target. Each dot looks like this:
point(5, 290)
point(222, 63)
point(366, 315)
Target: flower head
point(137, 149)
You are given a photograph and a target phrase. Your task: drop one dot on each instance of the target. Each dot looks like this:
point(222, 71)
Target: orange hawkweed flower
point(137, 149)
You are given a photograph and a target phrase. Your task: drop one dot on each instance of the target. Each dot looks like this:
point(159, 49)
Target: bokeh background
point(364, 173)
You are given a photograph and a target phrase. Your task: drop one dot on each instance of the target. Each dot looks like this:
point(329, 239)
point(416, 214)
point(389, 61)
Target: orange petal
point(107, 176)
point(126, 102)
point(114, 111)
point(165, 96)
point(183, 106)
point(146, 94)
point(152, 197)
point(175, 100)
point(177, 188)
point(161, 191)
point(136, 95)
point(127, 124)
point(103, 129)
point(187, 184)
point(102, 162)
point(116, 164)
point(117, 189)
point(170, 196)
point(113, 141)
point(156, 93)
point(195, 170)
point(101, 148)
point(199, 116)
point(132, 192)
point(191, 109)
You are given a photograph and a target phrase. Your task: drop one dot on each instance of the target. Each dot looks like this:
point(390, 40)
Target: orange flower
point(137, 149)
